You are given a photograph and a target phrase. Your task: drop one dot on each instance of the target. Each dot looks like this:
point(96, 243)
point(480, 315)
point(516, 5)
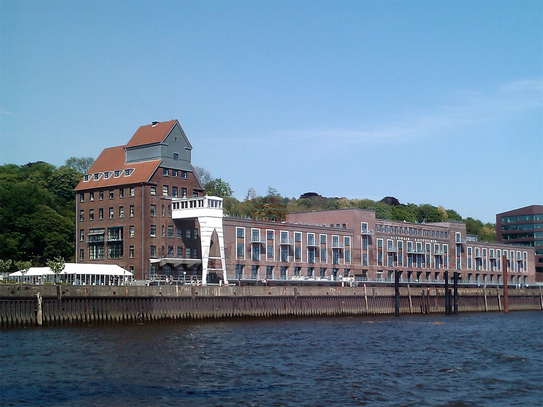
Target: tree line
point(37, 210)
point(37, 213)
point(273, 206)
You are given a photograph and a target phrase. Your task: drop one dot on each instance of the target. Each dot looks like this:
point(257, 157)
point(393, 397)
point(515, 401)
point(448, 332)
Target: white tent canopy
point(77, 273)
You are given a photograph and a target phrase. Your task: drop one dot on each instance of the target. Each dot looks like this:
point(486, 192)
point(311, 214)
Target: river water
point(476, 359)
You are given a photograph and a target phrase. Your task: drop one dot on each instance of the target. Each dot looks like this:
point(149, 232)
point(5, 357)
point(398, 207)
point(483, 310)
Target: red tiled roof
point(112, 159)
point(151, 134)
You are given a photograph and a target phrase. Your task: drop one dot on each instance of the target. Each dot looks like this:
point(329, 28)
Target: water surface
point(477, 359)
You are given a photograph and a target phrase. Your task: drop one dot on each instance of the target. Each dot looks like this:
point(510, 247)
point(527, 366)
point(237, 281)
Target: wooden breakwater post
point(456, 275)
point(396, 292)
point(504, 278)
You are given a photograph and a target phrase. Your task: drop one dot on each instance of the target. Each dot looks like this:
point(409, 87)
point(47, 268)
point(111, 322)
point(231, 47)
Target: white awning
point(77, 268)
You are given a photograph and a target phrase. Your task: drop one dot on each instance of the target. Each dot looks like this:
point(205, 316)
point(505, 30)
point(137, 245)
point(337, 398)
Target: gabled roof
point(112, 159)
point(151, 133)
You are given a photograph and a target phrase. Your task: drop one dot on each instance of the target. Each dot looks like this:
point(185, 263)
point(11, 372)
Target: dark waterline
point(488, 359)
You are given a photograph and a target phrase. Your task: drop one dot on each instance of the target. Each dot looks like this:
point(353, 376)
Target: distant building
point(523, 226)
point(141, 206)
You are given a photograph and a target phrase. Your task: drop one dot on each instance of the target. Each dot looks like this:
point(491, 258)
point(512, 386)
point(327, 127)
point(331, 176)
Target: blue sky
point(436, 102)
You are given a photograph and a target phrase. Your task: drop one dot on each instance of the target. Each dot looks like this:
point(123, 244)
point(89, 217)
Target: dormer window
point(87, 177)
point(107, 174)
point(97, 176)
point(117, 173)
point(128, 171)
point(175, 156)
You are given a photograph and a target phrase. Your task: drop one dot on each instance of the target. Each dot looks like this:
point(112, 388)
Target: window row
point(110, 194)
point(405, 230)
point(108, 174)
point(166, 172)
point(111, 213)
point(257, 272)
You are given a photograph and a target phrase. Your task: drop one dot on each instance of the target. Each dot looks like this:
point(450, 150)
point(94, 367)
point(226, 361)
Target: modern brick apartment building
point(141, 206)
point(523, 226)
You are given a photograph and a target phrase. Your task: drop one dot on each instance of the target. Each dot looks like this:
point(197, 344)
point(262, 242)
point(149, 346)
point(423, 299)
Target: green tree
point(56, 265)
point(79, 164)
point(218, 187)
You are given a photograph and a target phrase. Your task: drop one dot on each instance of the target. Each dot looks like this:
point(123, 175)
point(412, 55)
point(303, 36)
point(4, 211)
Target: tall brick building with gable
point(123, 202)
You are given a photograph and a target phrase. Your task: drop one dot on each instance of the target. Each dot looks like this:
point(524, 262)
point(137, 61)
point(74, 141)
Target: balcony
point(366, 232)
point(416, 251)
point(338, 245)
point(392, 249)
point(287, 242)
point(258, 239)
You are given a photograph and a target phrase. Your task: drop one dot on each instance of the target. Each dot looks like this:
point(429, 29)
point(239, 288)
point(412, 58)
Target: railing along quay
point(59, 305)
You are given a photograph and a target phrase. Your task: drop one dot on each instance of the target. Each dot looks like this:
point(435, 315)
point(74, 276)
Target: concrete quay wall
point(57, 305)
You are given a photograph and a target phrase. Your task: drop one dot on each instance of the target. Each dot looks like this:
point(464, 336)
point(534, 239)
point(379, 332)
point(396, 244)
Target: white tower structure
point(209, 213)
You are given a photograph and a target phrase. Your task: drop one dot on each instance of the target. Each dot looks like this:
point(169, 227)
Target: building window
point(179, 233)
point(82, 197)
point(101, 195)
point(187, 233)
point(81, 235)
point(153, 190)
point(187, 252)
point(121, 193)
point(184, 174)
point(174, 191)
point(153, 230)
point(152, 252)
point(170, 230)
point(111, 212)
point(131, 211)
point(81, 254)
point(81, 215)
point(131, 252)
point(132, 191)
point(153, 210)
point(91, 196)
point(240, 232)
point(121, 211)
point(165, 190)
point(284, 253)
point(254, 272)
point(179, 251)
point(110, 194)
point(174, 173)
point(270, 251)
point(183, 192)
point(101, 213)
point(269, 272)
point(239, 251)
point(256, 252)
point(91, 214)
point(239, 271)
point(165, 172)
point(131, 231)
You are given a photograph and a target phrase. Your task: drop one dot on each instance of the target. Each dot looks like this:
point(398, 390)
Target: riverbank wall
point(62, 305)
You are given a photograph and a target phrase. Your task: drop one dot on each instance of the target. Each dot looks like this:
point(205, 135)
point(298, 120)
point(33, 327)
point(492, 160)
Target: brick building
point(141, 206)
point(123, 202)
